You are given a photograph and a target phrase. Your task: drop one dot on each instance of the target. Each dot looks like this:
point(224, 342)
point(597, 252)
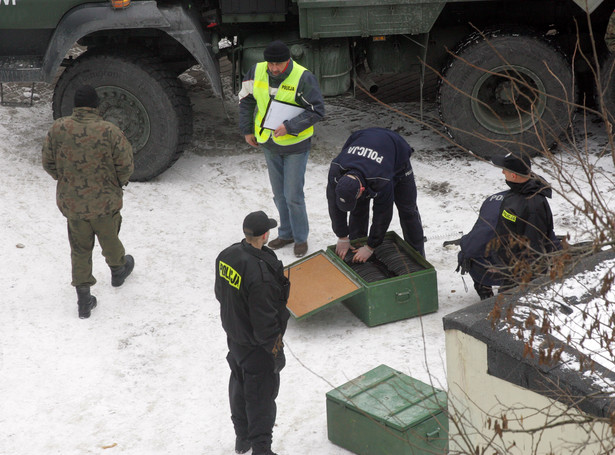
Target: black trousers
point(409, 216)
point(253, 388)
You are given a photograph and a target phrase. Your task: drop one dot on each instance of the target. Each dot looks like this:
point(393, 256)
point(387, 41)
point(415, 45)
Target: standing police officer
point(91, 160)
point(252, 291)
point(374, 165)
point(288, 147)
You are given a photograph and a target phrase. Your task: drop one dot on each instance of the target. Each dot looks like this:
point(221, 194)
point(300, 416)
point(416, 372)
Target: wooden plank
point(315, 283)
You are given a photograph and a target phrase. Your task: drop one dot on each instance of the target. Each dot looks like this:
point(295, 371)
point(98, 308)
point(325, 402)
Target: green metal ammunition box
point(385, 412)
point(401, 297)
point(377, 302)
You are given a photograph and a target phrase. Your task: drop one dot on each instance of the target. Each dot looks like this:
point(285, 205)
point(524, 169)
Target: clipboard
point(278, 112)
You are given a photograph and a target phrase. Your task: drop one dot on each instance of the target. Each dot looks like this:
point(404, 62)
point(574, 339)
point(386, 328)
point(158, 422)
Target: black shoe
point(242, 445)
point(119, 274)
point(86, 302)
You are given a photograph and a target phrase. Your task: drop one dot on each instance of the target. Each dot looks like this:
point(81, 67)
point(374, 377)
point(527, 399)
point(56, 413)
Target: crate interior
point(389, 260)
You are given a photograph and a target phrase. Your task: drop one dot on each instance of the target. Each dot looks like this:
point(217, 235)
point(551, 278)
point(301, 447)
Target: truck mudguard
point(176, 21)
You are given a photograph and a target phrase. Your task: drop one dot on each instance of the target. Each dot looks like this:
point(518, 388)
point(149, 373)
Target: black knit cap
point(257, 223)
point(86, 96)
point(276, 52)
point(521, 165)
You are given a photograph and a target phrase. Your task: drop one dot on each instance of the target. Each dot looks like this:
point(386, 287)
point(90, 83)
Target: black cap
point(257, 223)
point(276, 52)
point(86, 96)
point(347, 192)
point(521, 165)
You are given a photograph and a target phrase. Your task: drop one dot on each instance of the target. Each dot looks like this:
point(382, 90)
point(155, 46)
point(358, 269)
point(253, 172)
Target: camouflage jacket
point(609, 36)
point(91, 159)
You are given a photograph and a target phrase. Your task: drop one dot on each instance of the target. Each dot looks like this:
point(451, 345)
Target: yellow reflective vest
point(286, 93)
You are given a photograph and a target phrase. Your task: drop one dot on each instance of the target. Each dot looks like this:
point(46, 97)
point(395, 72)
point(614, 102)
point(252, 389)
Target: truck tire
point(488, 114)
point(607, 97)
point(138, 94)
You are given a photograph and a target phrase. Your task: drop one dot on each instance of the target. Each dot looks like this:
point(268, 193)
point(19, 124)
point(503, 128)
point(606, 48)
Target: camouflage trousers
point(81, 235)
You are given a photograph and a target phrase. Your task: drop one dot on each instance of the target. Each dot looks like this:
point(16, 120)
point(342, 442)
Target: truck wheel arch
point(176, 21)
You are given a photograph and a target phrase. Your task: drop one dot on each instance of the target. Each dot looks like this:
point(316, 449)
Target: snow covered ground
point(147, 374)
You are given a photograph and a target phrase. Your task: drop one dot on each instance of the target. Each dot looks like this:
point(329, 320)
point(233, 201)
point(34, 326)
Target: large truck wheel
point(506, 93)
point(138, 94)
point(607, 79)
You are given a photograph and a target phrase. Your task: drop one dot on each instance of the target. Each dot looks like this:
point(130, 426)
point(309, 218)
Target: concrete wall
point(476, 400)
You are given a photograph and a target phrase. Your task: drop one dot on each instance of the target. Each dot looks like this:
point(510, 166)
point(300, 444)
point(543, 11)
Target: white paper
point(278, 112)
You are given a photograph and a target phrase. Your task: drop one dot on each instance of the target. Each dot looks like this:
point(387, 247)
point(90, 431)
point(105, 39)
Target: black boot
point(260, 449)
point(242, 445)
point(119, 274)
point(484, 292)
point(86, 302)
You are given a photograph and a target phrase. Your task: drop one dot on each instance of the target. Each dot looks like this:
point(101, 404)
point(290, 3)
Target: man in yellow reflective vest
point(286, 147)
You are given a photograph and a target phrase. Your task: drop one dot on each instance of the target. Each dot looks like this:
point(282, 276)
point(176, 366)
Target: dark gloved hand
point(279, 362)
point(463, 263)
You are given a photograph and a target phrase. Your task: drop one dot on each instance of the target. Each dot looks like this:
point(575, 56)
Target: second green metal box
point(385, 412)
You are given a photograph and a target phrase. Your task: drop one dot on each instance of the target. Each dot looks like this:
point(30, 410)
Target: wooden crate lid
point(317, 282)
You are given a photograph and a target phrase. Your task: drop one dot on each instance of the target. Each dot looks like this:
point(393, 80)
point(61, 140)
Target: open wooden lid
point(317, 282)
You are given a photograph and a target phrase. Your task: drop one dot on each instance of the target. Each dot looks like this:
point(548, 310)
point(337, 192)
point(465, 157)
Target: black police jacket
point(252, 291)
point(474, 257)
point(525, 214)
point(521, 213)
point(377, 156)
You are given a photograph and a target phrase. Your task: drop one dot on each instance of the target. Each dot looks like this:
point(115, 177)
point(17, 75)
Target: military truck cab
point(507, 82)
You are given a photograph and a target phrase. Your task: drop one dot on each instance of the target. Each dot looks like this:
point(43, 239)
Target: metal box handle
point(402, 297)
point(434, 434)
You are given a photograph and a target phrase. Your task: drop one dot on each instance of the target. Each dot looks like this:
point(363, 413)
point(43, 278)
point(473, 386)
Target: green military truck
point(506, 85)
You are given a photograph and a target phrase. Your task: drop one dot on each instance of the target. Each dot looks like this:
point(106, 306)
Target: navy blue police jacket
point(473, 257)
point(525, 213)
point(252, 291)
point(522, 212)
point(378, 156)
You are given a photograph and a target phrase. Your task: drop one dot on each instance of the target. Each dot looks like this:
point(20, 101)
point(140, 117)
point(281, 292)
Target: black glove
point(279, 362)
point(285, 282)
point(463, 263)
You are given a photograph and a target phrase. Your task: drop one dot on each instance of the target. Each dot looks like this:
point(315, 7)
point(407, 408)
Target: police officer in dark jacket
point(374, 165)
point(507, 245)
point(252, 291)
point(474, 257)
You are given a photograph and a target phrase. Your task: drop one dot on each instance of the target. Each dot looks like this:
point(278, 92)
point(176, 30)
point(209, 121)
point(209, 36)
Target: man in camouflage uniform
point(609, 36)
point(91, 161)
